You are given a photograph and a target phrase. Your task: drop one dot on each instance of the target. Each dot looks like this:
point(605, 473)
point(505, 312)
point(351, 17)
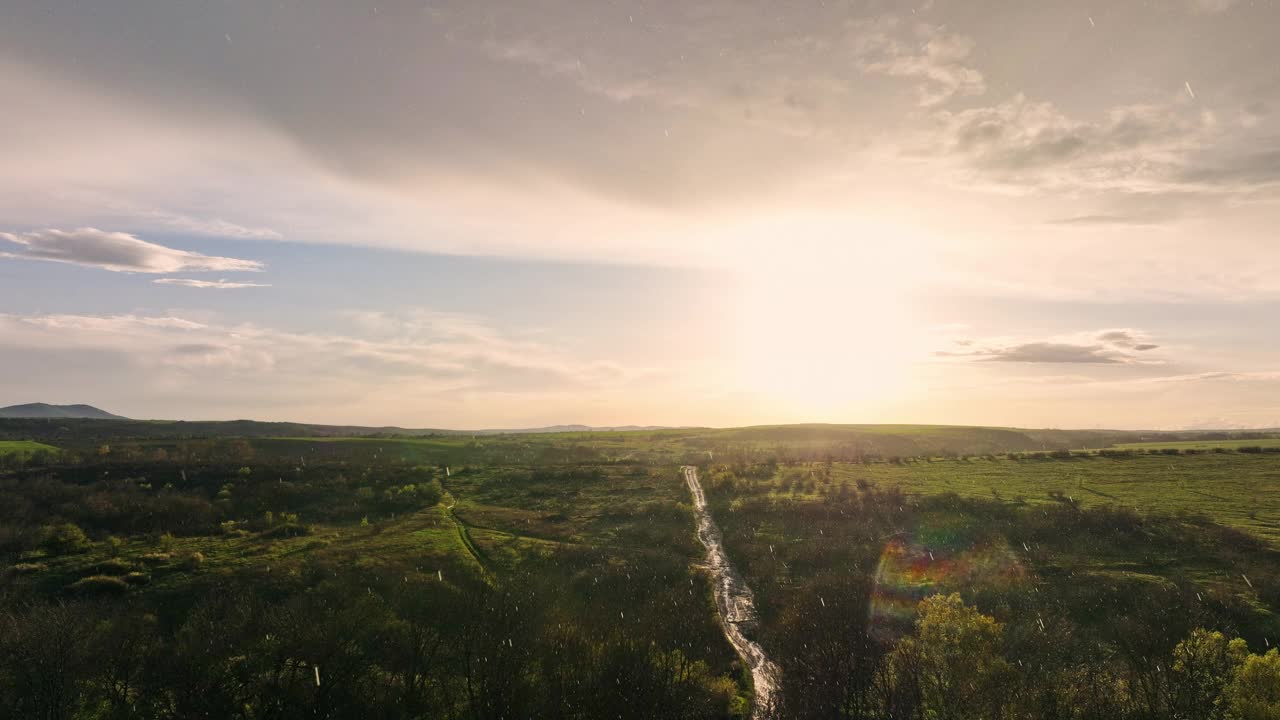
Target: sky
point(480, 214)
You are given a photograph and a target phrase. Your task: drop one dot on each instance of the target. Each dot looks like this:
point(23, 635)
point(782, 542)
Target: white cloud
point(117, 252)
point(209, 284)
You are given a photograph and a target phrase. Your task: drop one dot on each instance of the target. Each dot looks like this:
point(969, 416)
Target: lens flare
point(932, 560)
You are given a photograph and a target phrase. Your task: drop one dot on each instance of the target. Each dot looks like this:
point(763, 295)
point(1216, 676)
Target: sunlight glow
point(833, 339)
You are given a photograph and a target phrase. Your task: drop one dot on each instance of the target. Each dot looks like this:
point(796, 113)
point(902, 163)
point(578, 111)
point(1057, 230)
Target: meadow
point(1203, 444)
point(23, 447)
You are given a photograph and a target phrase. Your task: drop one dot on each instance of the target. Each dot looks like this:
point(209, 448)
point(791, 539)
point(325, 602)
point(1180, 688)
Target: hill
point(45, 410)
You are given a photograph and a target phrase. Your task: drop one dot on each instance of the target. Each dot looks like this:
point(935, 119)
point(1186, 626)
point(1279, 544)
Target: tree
point(1203, 665)
point(954, 661)
point(1254, 691)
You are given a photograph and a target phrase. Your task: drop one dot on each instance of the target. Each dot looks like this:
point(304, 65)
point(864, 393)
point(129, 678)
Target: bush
point(194, 560)
point(65, 539)
point(27, 568)
point(114, 566)
point(155, 558)
point(99, 584)
point(137, 578)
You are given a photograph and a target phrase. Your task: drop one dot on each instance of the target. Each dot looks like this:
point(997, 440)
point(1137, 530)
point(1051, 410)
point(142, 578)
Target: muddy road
point(733, 599)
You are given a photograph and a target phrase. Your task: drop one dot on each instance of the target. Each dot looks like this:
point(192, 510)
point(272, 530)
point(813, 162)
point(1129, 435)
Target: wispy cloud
point(209, 284)
point(441, 351)
point(1104, 347)
point(116, 251)
point(213, 227)
point(1107, 220)
point(934, 58)
point(1210, 7)
point(1022, 144)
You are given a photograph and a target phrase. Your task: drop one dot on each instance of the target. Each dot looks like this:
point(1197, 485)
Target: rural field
point(454, 575)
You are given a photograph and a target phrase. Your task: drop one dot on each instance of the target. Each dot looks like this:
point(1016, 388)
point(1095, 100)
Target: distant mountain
point(45, 410)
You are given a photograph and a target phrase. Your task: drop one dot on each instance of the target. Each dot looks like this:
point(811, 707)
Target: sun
point(832, 339)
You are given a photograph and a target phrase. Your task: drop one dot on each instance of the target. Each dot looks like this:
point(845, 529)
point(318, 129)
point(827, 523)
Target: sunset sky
point(475, 214)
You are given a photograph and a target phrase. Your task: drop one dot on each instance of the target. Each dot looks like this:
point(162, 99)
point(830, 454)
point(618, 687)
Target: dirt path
point(464, 532)
point(734, 600)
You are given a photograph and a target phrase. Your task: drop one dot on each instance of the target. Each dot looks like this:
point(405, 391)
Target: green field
point(1234, 489)
point(1202, 444)
point(15, 447)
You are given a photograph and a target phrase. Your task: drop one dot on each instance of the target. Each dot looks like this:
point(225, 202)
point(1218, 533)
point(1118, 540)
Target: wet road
point(733, 599)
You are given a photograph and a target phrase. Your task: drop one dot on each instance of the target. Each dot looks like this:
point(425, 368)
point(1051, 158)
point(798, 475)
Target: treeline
point(330, 640)
point(154, 498)
point(958, 663)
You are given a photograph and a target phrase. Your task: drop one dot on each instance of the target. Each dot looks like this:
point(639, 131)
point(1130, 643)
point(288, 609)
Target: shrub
point(155, 558)
point(287, 531)
point(137, 578)
point(66, 538)
point(27, 568)
point(99, 584)
point(194, 560)
point(114, 566)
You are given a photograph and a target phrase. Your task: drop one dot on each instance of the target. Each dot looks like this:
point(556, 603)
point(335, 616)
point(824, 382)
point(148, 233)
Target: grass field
point(1237, 490)
point(1202, 444)
point(10, 447)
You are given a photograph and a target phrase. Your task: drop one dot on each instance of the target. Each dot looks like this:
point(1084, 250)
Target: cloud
point(1242, 171)
point(211, 284)
point(1105, 347)
point(1107, 220)
point(1214, 376)
point(213, 227)
point(1046, 352)
point(935, 58)
point(1210, 7)
point(1126, 338)
point(117, 252)
point(1022, 144)
point(428, 350)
